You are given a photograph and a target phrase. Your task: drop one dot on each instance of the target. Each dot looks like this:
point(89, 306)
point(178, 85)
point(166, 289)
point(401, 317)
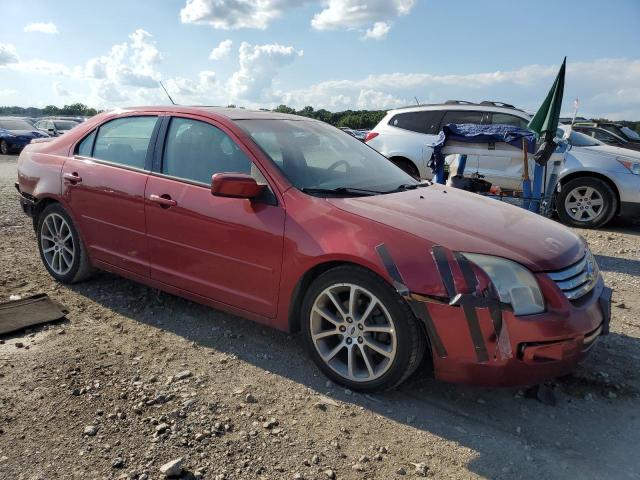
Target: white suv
point(403, 134)
point(606, 178)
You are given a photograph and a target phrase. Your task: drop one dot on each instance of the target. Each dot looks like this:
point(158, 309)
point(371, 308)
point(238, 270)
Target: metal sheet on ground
point(27, 312)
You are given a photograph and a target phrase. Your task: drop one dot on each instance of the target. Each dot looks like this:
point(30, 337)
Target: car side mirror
point(235, 185)
point(51, 130)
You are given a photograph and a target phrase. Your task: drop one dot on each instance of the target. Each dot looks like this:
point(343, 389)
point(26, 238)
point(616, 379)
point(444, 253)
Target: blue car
point(15, 133)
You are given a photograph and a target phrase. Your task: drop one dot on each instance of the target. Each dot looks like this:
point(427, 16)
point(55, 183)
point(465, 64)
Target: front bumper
point(542, 347)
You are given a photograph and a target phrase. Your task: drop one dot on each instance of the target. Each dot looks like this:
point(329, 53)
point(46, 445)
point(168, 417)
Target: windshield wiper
point(408, 186)
point(342, 191)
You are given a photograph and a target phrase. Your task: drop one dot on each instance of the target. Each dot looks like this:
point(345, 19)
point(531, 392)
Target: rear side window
point(422, 122)
point(86, 145)
point(462, 116)
point(506, 119)
point(125, 141)
point(196, 150)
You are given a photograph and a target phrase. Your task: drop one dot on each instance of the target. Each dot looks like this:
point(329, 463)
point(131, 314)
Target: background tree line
point(75, 110)
point(356, 119)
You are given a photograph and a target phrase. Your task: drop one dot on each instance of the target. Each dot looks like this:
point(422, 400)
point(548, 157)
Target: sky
point(333, 54)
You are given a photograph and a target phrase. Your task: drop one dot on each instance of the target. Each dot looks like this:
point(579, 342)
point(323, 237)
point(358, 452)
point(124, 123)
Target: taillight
point(371, 136)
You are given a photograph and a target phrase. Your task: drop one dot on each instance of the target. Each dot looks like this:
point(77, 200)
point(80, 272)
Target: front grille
point(578, 279)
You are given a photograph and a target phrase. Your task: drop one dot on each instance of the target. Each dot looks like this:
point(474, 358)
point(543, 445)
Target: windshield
point(64, 124)
point(15, 124)
point(314, 155)
point(631, 134)
point(577, 139)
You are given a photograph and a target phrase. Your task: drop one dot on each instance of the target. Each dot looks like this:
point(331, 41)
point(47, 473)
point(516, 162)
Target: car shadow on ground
point(510, 435)
point(619, 265)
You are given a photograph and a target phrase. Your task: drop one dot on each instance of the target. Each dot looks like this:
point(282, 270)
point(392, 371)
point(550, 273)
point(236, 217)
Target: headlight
point(633, 167)
point(516, 285)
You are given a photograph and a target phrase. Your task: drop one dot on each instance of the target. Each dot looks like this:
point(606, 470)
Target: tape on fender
point(418, 307)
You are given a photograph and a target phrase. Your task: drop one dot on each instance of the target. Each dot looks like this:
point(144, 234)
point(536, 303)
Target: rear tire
point(373, 342)
point(62, 251)
point(586, 202)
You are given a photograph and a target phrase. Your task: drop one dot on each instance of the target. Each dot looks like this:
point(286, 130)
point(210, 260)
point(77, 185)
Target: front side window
point(64, 124)
point(314, 155)
point(506, 119)
point(422, 122)
point(196, 150)
point(462, 116)
point(604, 136)
point(125, 141)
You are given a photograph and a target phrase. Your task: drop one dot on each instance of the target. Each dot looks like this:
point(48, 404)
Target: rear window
point(422, 122)
point(15, 125)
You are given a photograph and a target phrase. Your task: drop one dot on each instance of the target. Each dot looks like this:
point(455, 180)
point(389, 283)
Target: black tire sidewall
point(4, 148)
point(70, 276)
point(405, 325)
point(605, 191)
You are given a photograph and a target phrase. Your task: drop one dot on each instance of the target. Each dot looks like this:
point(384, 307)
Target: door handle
point(163, 201)
point(72, 177)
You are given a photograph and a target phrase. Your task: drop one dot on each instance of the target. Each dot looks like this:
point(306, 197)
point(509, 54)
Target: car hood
point(467, 222)
point(612, 151)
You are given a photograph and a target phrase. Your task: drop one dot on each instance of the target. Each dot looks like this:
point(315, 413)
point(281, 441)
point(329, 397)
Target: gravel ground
point(137, 378)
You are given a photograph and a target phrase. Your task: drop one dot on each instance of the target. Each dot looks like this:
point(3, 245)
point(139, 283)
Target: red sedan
point(295, 224)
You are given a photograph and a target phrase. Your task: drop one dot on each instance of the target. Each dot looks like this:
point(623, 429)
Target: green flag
point(545, 121)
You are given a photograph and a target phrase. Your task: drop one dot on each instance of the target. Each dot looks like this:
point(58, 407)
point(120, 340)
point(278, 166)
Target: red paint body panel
point(249, 257)
point(108, 205)
point(227, 249)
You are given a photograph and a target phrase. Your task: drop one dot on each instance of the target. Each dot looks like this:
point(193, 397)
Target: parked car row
point(360, 134)
point(604, 178)
point(16, 132)
point(287, 221)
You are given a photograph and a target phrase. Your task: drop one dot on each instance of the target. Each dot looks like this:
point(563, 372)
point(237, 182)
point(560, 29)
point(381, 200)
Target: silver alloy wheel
point(353, 332)
point(56, 240)
point(584, 204)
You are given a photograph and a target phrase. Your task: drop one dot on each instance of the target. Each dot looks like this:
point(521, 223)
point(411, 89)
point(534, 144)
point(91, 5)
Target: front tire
point(4, 148)
point(359, 331)
point(586, 202)
point(62, 251)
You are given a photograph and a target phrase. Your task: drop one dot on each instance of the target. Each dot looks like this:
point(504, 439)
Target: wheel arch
point(303, 283)
point(297, 296)
point(591, 174)
point(395, 159)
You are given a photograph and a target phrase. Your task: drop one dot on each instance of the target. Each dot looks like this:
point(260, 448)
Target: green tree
point(284, 109)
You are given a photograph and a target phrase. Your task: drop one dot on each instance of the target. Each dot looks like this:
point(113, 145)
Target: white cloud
point(378, 31)
point(355, 14)
point(42, 27)
point(259, 64)
point(8, 54)
point(374, 16)
point(221, 51)
point(59, 90)
point(234, 14)
point(6, 92)
point(130, 63)
point(42, 67)
point(605, 87)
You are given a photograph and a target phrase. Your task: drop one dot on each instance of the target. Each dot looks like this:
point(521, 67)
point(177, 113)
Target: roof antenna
point(417, 102)
point(165, 91)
